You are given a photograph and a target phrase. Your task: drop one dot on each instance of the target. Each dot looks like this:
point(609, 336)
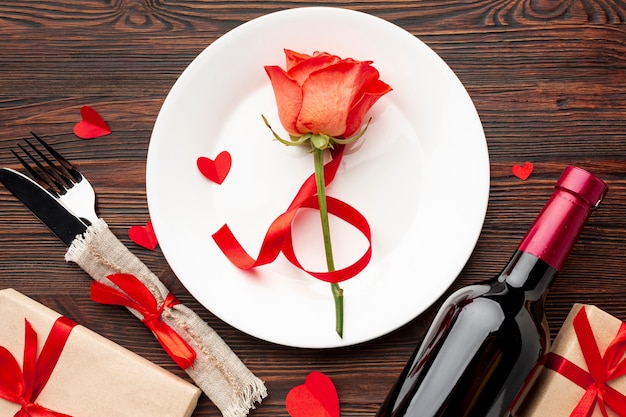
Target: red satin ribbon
point(136, 295)
point(24, 386)
point(279, 235)
point(602, 369)
point(350, 215)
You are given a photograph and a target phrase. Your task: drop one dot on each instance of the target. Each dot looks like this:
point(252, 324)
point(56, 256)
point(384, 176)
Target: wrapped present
point(583, 374)
point(51, 366)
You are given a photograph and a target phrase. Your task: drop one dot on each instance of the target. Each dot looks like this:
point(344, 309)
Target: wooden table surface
point(548, 80)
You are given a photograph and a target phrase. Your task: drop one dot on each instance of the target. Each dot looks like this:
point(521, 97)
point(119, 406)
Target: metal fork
point(59, 177)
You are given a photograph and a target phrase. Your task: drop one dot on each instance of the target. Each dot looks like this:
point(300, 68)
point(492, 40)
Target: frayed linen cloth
point(228, 383)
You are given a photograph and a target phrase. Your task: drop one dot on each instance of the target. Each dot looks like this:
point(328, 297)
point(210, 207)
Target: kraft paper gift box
point(94, 377)
point(550, 393)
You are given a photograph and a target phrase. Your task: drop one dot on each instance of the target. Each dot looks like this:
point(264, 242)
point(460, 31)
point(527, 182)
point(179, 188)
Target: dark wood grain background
point(548, 79)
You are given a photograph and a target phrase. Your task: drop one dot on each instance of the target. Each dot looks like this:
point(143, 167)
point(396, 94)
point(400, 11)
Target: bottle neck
point(552, 236)
point(528, 272)
point(547, 244)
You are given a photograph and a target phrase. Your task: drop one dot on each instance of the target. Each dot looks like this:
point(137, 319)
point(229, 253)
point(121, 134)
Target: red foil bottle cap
point(583, 184)
point(555, 231)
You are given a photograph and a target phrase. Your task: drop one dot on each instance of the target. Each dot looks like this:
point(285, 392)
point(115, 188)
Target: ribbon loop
point(134, 294)
point(350, 215)
point(278, 236)
point(24, 386)
point(601, 369)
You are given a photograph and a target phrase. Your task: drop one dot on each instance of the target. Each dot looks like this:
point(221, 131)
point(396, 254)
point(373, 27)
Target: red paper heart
point(215, 170)
point(144, 236)
point(92, 124)
point(523, 172)
point(317, 397)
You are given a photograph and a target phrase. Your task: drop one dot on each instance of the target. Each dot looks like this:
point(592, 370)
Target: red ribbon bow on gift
point(24, 386)
point(278, 236)
point(136, 295)
point(602, 369)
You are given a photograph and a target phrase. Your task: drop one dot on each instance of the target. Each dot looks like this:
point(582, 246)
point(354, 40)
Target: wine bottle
point(487, 337)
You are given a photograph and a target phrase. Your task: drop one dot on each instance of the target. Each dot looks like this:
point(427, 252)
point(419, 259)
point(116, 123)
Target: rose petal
point(293, 58)
point(356, 116)
point(304, 69)
point(288, 96)
point(329, 95)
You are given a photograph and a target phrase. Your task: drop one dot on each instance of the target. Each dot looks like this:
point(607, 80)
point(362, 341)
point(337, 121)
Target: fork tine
point(44, 182)
point(67, 166)
point(49, 176)
point(58, 174)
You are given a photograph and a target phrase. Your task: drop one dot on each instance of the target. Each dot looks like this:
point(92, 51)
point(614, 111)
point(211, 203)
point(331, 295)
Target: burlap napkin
point(222, 376)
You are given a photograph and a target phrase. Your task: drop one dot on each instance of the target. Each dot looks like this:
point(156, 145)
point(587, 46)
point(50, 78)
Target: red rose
point(324, 94)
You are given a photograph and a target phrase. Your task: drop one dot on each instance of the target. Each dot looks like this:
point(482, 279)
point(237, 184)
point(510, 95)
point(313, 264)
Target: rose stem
point(318, 155)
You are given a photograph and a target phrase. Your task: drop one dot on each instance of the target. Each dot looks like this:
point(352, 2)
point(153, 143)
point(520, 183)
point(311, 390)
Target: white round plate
point(420, 175)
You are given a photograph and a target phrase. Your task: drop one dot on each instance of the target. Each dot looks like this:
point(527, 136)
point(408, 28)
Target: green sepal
point(317, 141)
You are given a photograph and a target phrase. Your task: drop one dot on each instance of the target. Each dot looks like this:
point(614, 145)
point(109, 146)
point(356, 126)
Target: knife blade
point(62, 222)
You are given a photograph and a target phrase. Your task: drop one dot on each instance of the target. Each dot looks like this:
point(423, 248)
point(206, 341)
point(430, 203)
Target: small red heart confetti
point(92, 124)
point(144, 236)
point(317, 397)
point(523, 171)
point(215, 170)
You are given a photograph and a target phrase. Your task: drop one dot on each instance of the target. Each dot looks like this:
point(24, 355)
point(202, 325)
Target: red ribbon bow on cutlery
point(602, 369)
point(134, 294)
point(24, 386)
